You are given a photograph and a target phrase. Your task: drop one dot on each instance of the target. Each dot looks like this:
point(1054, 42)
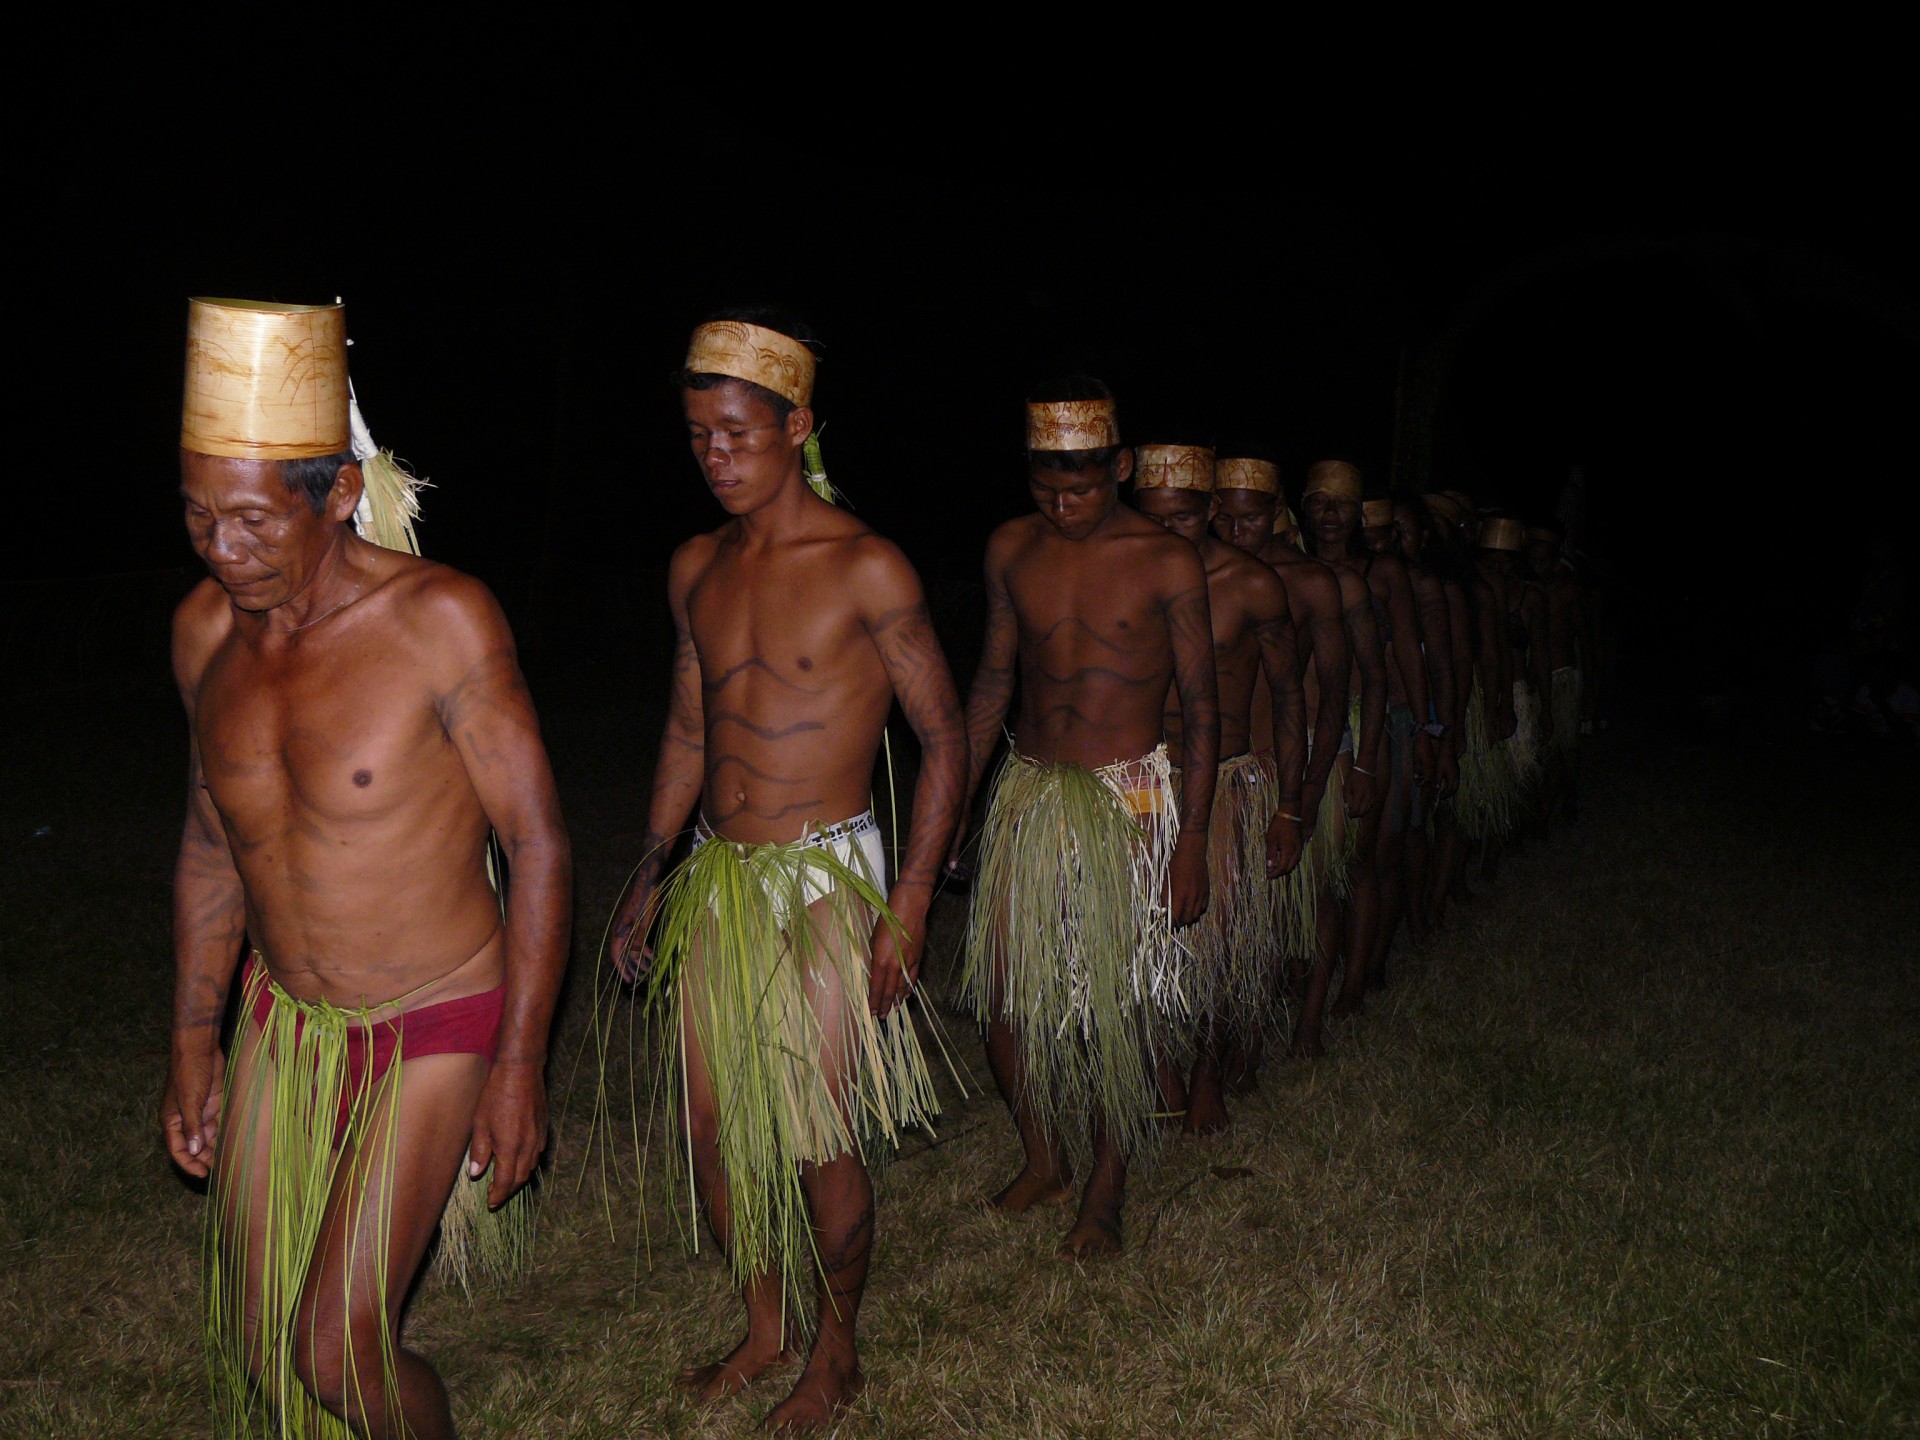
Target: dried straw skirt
point(1237, 944)
point(1070, 941)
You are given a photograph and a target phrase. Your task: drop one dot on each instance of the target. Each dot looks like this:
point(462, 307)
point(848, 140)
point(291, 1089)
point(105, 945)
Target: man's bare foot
point(1029, 1190)
point(1092, 1237)
point(821, 1396)
point(721, 1378)
point(1350, 1003)
point(1206, 1115)
point(1242, 1082)
point(1307, 1047)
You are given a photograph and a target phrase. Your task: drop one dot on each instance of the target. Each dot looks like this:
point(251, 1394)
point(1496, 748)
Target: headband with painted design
point(765, 357)
point(1376, 512)
point(265, 381)
point(1443, 507)
point(1173, 467)
point(1502, 532)
point(1072, 425)
point(1238, 472)
point(1336, 478)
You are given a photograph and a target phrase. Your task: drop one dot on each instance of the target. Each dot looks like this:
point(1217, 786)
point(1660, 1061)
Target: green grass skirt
point(734, 964)
point(1070, 916)
point(299, 1073)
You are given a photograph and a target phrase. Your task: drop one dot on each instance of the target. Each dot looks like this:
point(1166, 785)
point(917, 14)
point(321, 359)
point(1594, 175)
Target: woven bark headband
point(1502, 532)
point(1336, 478)
point(1173, 467)
point(765, 357)
point(1072, 425)
point(1243, 474)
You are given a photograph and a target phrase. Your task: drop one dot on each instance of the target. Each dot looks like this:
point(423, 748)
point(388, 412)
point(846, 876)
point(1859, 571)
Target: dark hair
point(767, 317)
point(1064, 388)
point(313, 478)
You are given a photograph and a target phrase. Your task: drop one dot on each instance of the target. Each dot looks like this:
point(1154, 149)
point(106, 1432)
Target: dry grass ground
point(1633, 1151)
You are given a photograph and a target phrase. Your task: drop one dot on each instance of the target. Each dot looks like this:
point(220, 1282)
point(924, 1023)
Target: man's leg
point(764, 1346)
point(1389, 848)
point(346, 1330)
point(840, 1195)
point(1045, 1178)
point(1096, 1229)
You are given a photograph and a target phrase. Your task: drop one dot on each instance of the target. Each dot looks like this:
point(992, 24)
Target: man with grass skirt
point(1483, 800)
point(1088, 864)
point(1238, 945)
point(358, 724)
point(1521, 622)
point(1402, 589)
point(1330, 520)
point(1566, 622)
point(782, 960)
point(1446, 630)
point(1250, 514)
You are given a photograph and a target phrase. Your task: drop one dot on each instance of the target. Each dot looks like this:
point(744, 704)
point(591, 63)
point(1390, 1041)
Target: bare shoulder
point(200, 623)
point(1156, 550)
point(1255, 584)
point(448, 607)
point(877, 573)
point(690, 561)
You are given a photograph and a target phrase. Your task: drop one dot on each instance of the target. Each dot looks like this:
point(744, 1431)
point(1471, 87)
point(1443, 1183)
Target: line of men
point(1241, 755)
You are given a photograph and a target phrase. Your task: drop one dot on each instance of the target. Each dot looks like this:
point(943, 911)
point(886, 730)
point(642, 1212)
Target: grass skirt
point(1488, 800)
point(1521, 750)
point(1326, 861)
point(737, 947)
point(1237, 944)
point(1070, 913)
point(1566, 710)
point(322, 1112)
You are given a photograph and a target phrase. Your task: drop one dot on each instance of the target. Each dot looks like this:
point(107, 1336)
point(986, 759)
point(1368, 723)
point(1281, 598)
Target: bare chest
point(1072, 619)
point(777, 638)
point(338, 734)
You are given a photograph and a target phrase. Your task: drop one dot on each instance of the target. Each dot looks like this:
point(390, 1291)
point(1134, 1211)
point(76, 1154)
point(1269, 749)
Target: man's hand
point(1310, 812)
point(957, 866)
point(1187, 880)
point(631, 950)
point(1424, 764)
point(895, 967)
point(190, 1109)
point(509, 1127)
point(1283, 845)
point(1360, 792)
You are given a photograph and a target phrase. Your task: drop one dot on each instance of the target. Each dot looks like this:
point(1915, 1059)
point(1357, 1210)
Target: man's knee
point(339, 1357)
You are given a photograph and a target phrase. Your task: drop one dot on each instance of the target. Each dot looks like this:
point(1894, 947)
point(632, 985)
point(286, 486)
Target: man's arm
point(1460, 629)
point(1496, 662)
point(1190, 629)
point(1436, 639)
point(1405, 614)
point(488, 714)
point(1369, 658)
point(209, 919)
point(1333, 669)
point(894, 610)
point(1533, 610)
point(992, 689)
point(1279, 657)
point(679, 774)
